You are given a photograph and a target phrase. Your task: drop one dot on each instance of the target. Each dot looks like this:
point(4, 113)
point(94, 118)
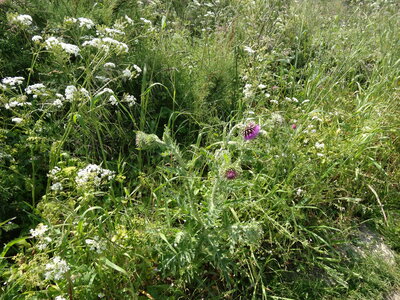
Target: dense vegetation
point(179, 149)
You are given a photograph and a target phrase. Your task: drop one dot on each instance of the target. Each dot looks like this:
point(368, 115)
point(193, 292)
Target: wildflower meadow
point(200, 149)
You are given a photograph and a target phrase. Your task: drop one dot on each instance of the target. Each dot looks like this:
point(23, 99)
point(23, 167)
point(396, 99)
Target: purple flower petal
point(251, 131)
point(231, 174)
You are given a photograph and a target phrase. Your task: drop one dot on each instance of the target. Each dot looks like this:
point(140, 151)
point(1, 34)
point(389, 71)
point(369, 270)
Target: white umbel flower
point(56, 268)
point(85, 22)
point(39, 230)
point(17, 120)
point(36, 38)
point(12, 81)
point(24, 20)
point(35, 88)
point(69, 92)
point(93, 174)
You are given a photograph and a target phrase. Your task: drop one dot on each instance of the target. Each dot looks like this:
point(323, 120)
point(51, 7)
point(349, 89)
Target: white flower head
point(145, 21)
point(17, 120)
point(35, 89)
point(137, 68)
point(57, 103)
point(12, 81)
point(24, 20)
point(129, 20)
point(299, 192)
point(57, 187)
point(85, 22)
point(93, 175)
point(247, 90)
point(84, 92)
point(319, 145)
point(36, 38)
point(102, 78)
point(39, 230)
point(107, 43)
point(131, 100)
point(274, 101)
point(53, 172)
point(127, 74)
point(249, 50)
point(105, 90)
point(69, 92)
point(51, 42)
point(96, 244)
point(113, 100)
point(70, 20)
point(109, 65)
point(70, 48)
point(56, 268)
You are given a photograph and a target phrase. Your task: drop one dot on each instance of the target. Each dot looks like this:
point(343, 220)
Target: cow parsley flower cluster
point(13, 103)
point(131, 100)
point(36, 38)
point(39, 233)
point(53, 42)
point(57, 187)
point(127, 74)
point(56, 268)
point(106, 44)
point(83, 22)
point(35, 89)
point(54, 175)
point(24, 20)
point(39, 230)
point(17, 120)
point(111, 32)
point(96, 244)
point(53, 172)
point(93, 174)
point(12, 81)
point(109, 65)
point(129, 20)
point(105, 90)
point(58, 103)
point(247, 91)
point(112, 100)
point(70, 92)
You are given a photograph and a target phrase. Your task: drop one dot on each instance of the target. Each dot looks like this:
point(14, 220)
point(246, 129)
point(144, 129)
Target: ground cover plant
point(187, 149)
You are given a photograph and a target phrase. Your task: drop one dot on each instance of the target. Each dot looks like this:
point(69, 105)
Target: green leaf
point(115, 267)
point(10, 244)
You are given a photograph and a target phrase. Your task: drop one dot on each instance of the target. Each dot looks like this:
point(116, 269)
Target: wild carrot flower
point(24, 20)
point(93, 174)
point(56, 268)
point(251, 131)
point(17, 120)
point(39, 230)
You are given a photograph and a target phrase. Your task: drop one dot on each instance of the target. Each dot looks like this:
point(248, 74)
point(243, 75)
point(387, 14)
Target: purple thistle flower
point(251, 131)
point(231, 174)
